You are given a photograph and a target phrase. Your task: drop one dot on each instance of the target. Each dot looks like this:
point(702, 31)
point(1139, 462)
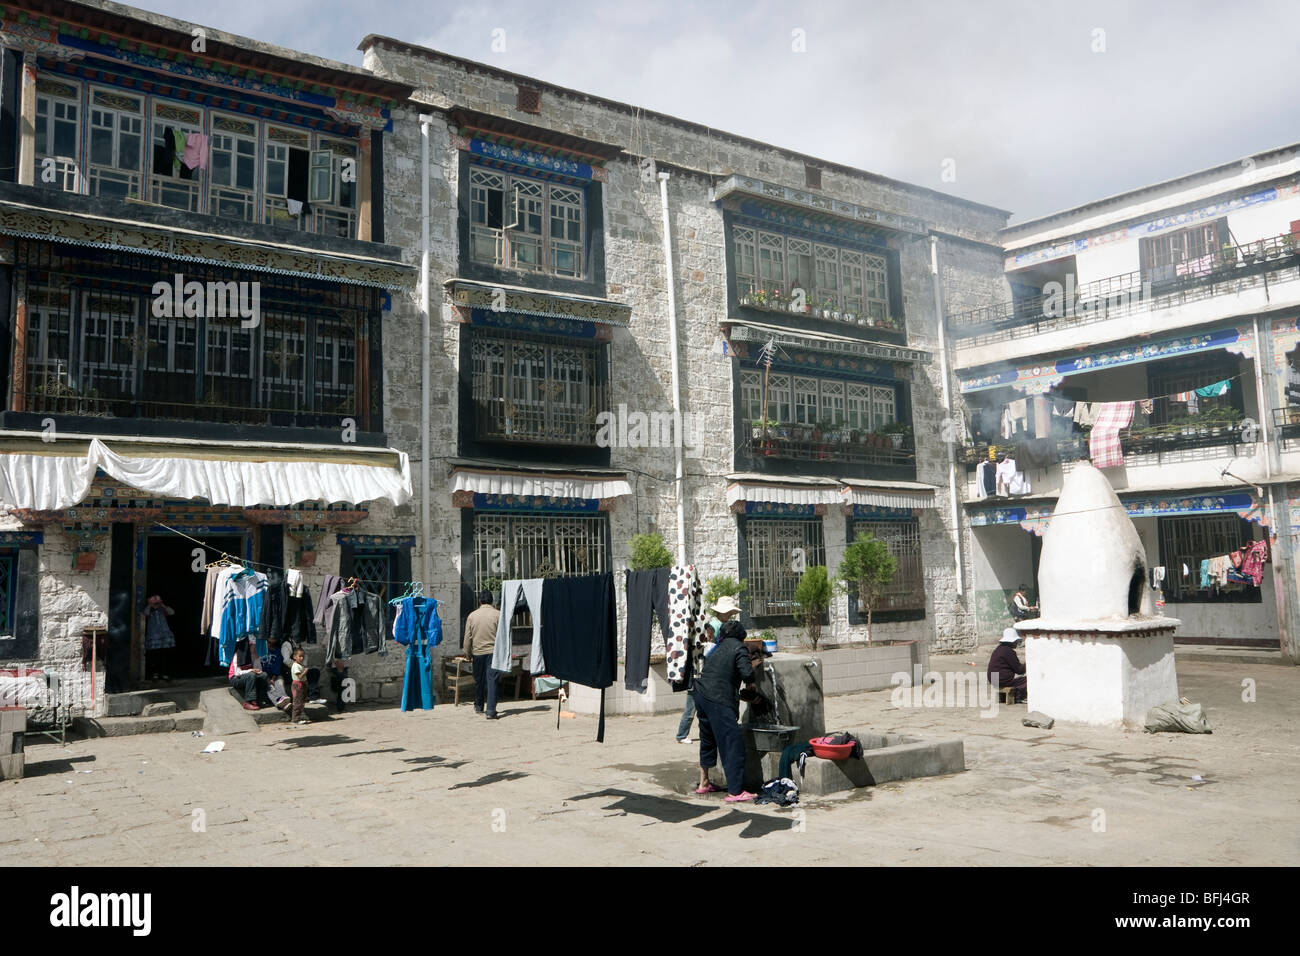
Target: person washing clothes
point(717, 698)
point(1005, 667)
point(480, 639)
point(725, 610)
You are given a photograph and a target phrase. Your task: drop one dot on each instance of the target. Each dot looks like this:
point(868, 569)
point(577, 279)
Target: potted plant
point(867, 569)
point(646, 552)
point(1229, 253)
point(812, 596)
point(768, 637)
point(1289, 244)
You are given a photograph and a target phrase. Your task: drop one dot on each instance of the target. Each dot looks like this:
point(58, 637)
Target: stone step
point(134, 702)
point(271, 715)
point(185, 720)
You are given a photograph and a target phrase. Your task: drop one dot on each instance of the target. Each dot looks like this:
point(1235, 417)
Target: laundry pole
point(425, 522)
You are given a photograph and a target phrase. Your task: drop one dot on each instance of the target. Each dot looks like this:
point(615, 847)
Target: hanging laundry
point(295, 206)
point(985, 479)
point(513, 594)
point(579, 633)
point(177, 140)
point(325, 609)
point(1040, 416)
point(1292, 385)
point(1008, 425)
point(1084, 413)
point(1103, 444)
point(1215, 390)
point(1207, 574)
point(1062, 408)
point(419, 627)
point(1253, 564)
point(243, 596)
point(196, 151)
point(647, 599)
point(1148, 405)
point(685, 594)
point(1039, 453)
point(357, 626)
point(1019, 411)
point(275, 605)
point(1010, 479)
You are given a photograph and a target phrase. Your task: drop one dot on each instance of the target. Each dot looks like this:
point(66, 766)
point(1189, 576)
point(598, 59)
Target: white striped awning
point(889, 494)
point(784, 491)
point(539, 484)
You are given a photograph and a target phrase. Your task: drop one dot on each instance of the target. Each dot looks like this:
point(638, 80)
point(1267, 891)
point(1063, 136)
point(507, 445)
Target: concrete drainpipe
point(678, 485)
point(949, 433)
point(425, 523)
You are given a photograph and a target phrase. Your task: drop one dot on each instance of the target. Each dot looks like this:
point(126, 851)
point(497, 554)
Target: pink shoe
point(711, 788)
point(742, 797)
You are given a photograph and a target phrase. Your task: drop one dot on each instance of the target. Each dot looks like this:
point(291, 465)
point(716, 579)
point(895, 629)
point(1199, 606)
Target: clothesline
point(261, 564)
point(1151, 398)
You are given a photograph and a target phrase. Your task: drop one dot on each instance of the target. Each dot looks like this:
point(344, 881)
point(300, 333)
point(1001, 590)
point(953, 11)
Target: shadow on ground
point(40, 768)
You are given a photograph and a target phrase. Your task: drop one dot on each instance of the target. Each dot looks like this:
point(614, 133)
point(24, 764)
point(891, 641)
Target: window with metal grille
point(1189, 541)
point(535, 389)
point(8, 590)
point(903, 538)
point(776, 547)
point(806, 400)
point(521, 223)
point(1187, 374)
point(375, 570)
point(517, 546)
point(528, 99)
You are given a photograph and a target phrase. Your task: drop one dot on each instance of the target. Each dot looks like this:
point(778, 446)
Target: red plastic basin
point(828, 751)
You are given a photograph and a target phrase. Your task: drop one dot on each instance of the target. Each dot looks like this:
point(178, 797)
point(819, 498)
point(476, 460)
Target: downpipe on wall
point(426, 120)
point(669, 278)
point(949, 436)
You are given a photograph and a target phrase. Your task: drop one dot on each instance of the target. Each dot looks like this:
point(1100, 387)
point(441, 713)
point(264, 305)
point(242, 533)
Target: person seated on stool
point(1005, 669)
point(1023, 609)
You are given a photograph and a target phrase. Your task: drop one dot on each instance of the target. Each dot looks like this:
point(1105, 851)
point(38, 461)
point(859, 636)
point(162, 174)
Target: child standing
point(298, 671)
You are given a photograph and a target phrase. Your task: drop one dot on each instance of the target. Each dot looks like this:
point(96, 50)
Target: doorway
point(169, 572)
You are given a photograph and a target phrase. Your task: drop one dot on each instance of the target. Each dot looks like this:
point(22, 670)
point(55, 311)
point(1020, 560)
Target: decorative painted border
point(754, 213)
point(11, 538)
point(513, 155)
point(486, 502)
point(740, 332)
point(818, 202)
point(1138, 230)
point(1035, 518)
point(385, 540)
point(879, 513)
point(779, 509)
point(530, 322)
point(1037, 379)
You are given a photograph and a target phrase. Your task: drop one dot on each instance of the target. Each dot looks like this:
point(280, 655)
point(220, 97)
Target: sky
point(1033, 106)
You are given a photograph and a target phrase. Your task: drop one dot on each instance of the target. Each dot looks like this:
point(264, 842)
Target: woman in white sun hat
point(725, 609)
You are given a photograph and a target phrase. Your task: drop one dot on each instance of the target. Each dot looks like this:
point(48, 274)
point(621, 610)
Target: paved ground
point(381, 787)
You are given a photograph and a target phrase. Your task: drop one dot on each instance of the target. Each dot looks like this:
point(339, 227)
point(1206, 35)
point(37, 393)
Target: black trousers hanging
point(647, 594)
point(578, 633)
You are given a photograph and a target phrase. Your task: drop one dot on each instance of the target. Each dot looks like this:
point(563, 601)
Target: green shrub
point(813, 595)
point(868, 568)
point(648, 552)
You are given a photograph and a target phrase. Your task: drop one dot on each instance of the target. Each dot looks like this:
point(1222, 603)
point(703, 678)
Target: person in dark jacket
point(1005, 668)
point(717, 703)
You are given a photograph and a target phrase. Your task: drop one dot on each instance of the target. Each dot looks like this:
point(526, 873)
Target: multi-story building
point(194, 288)
point(568, 337)
point(1181, 297)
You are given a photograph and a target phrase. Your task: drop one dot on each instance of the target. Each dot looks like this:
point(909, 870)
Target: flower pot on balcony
point(896, 440)
point(756, 431)
point(746, 300)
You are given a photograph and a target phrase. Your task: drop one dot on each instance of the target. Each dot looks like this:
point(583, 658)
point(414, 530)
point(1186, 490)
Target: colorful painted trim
point(817, 202)
point(1036, 518)
point(739, 332)
point(534, 503)
point(1212, 211)
point(19, 538)
point(753, 213)
point(1037, 379)
point(543, 325)
point(377, 540)
point(776, 509)
point(514, 156)
point(804, 363)
point(875, 513)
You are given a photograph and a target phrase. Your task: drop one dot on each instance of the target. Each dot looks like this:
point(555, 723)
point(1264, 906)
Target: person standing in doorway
point(159, 641)
point(480, 639)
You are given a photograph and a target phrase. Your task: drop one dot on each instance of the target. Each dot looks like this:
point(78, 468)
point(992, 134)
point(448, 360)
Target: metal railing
point(850, 448)
point(1231, 269)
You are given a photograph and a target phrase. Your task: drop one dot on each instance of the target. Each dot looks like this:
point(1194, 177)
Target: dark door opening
point(169, 572)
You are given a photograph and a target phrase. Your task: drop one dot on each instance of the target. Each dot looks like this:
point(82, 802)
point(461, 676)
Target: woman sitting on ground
point(717, 703)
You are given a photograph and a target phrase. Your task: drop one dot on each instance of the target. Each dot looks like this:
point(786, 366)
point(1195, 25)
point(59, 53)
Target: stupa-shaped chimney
point(1093, 566)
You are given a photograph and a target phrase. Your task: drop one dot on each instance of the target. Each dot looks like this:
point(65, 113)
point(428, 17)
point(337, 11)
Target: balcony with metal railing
point(1258, 266)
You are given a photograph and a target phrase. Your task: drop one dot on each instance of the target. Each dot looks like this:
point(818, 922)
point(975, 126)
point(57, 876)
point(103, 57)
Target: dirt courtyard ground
point(376, 786)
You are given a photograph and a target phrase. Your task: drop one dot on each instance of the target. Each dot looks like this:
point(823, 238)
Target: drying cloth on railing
point(1085, 413)
point(1253, 564)
point(578, 633)
point(1103, 445)
point(686, 623)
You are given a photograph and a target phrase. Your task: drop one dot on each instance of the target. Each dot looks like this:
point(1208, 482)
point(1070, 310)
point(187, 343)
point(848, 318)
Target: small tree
point(648, 553)
point(721, 585)
point(813, 595)
point(868, 568)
